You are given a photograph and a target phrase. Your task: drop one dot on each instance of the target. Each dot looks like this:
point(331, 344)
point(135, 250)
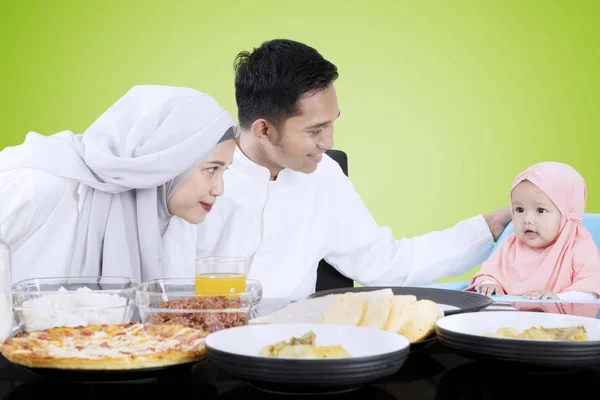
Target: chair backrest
point(327, 276)
point(340, 157)
point(590, 221)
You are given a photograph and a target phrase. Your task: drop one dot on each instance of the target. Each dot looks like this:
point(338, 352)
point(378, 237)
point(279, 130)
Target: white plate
point(374, 354)
point(466, 335)
point(359, 342)
point(481, 323)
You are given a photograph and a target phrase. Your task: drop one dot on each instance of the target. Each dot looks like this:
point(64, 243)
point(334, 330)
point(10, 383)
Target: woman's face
point(197, 194)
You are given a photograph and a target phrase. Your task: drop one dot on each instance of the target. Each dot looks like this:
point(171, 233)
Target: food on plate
point(380, 309)
point(311, 311)
point(306, 311)
point(346, 310)
point(377, 312)
point(303, 347)
point(106, 347)
point(211, 319)
point(398, 317)
point(570, 333)
point(80, 307)
point(414, 320)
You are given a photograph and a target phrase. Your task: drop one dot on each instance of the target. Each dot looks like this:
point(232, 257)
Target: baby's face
point(536, 219)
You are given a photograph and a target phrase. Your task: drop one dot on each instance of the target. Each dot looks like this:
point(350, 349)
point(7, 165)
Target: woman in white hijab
point(99, 203)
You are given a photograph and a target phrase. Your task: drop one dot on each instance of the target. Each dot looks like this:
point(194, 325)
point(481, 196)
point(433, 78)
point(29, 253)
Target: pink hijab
point(572, 263)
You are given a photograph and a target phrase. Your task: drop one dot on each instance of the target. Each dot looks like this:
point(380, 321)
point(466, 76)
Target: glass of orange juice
point(220, 275)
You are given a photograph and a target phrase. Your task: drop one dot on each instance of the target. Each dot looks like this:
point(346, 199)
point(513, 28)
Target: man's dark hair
point(270, 80)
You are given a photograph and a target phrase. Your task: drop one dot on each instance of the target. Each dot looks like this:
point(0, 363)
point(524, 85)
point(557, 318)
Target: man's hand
point(540, 294)
point(489, 289)
point(497, 221)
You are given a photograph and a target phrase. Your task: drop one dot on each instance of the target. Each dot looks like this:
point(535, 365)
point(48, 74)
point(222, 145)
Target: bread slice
point(348, 309)
point(405, 297)
point(419, 320)
point(379, 309)
point(398, 315)
point(378, 312)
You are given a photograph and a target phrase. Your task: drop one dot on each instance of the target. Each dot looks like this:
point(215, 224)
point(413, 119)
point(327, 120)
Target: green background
point(443, 102)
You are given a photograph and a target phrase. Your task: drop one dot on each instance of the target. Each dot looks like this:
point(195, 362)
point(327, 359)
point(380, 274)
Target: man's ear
point(263, 131)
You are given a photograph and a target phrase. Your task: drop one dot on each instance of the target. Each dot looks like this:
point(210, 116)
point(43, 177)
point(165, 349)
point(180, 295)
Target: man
point(287, 205)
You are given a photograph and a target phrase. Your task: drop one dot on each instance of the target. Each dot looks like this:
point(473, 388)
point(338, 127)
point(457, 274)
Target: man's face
point(300, 142)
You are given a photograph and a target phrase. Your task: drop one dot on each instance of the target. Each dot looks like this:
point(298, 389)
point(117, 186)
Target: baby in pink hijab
point(550, 254)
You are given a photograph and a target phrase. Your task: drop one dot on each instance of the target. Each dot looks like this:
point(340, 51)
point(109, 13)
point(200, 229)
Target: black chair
point(327, 276)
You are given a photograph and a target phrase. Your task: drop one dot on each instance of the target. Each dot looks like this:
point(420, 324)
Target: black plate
point(463, 301)
point(314, 376)
point(167, 373)
point(536, 357)
point(464, 334)
point(511, 362)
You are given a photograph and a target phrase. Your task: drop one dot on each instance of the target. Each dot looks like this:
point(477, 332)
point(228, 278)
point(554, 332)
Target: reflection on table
point(436, 373)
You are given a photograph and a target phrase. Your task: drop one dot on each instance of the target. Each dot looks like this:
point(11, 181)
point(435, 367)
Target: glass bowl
point(162, 301)
point(44, 303)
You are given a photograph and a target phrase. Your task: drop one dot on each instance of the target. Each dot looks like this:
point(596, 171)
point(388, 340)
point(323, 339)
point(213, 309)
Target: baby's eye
point(519, 209)
point(541, 210)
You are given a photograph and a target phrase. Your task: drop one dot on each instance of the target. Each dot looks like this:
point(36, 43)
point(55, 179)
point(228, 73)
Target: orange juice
point(211, 284)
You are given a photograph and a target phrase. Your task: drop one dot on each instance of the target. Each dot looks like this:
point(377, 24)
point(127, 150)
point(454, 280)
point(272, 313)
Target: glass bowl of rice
point(44, 303)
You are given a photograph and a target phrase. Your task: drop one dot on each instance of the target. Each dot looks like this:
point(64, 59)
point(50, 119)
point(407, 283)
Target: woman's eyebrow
point(221, 163)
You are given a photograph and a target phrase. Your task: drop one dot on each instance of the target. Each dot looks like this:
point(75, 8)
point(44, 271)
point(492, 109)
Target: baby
point(550, 255)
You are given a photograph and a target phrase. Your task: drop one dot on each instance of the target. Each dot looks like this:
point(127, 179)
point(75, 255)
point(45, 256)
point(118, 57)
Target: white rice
point(71, 309)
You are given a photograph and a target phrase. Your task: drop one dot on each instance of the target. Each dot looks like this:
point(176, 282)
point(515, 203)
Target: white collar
point(253, 170)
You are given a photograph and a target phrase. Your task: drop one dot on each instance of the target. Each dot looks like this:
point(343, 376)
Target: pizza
point(106, 347)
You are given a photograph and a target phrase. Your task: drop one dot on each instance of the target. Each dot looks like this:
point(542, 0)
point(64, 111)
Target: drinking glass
point(220, 275)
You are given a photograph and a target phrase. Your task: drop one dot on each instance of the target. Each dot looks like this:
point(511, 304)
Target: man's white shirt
point(285, 227)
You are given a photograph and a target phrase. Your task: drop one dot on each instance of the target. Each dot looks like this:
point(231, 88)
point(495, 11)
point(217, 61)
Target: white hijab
point(129, 161)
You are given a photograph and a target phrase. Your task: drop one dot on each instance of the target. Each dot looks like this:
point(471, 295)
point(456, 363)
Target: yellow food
point(571, 333)
point(377, 312)
point(420, 318)
point(332, 352)
point(405, 315)
point(303, 347)
point(348, 309)
point(398, 316)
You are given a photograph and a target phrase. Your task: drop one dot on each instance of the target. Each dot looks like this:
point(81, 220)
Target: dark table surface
point(433, 373)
